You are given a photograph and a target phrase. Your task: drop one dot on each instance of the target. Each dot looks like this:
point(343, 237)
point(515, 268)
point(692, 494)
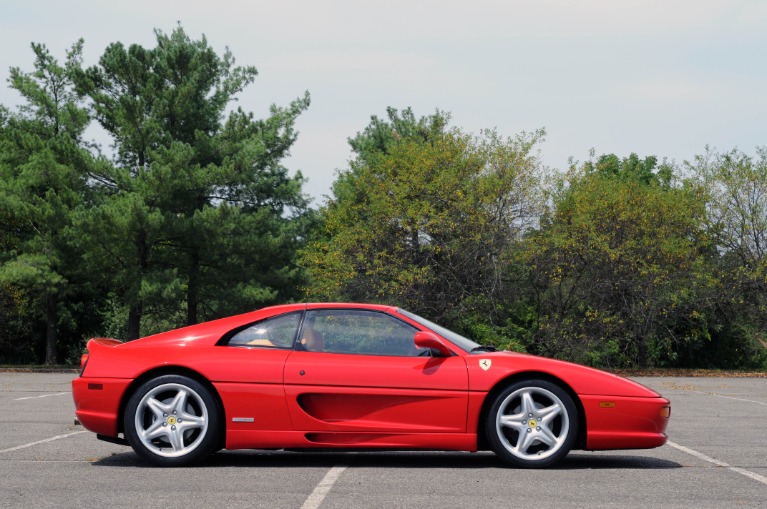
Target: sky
point(656, 77)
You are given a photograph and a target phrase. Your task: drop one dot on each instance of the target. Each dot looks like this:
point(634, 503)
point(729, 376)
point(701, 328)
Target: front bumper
point(625, 423)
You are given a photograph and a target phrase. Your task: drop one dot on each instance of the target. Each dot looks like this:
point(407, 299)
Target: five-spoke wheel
point(532, 423)
point(172, 421)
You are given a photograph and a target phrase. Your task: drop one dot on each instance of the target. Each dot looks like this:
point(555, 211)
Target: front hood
point(582, 379)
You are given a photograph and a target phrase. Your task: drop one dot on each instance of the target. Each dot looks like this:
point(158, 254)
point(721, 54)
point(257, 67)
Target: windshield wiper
point(484, 348)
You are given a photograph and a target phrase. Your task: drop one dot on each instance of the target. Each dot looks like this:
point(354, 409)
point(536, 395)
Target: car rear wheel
point(172, 420)
point(532, 424)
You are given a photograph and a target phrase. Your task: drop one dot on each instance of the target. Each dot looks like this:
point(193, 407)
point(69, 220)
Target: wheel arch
point(171, 370)
point(482, 443)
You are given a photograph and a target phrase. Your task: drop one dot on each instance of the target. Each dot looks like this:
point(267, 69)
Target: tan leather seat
point(312, 340)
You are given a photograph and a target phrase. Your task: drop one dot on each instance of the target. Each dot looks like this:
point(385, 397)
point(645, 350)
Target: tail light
point(83, 363)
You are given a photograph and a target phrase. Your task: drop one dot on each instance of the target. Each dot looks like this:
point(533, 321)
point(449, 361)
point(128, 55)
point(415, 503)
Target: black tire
point(532, 424)
point(172, 421)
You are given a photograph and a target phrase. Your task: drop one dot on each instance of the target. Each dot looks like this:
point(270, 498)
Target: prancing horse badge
point(485, 364)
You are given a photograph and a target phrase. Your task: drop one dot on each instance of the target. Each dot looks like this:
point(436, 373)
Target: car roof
point(347, 305)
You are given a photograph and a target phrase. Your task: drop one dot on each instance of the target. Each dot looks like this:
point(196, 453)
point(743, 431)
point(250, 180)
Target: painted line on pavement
point(43, 396)
point(18, 447)
point(718, 463)
point(322, 489)
point(730, 397)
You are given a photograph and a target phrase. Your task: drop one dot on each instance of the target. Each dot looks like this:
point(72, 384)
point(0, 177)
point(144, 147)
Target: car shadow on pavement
point(595, 461)
point(394, 459)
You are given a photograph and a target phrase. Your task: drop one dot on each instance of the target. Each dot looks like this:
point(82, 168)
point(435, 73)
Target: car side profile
point(348, 376)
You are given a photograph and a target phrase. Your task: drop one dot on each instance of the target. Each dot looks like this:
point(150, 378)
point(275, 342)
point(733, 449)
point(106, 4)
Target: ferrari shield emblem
point(485, 364)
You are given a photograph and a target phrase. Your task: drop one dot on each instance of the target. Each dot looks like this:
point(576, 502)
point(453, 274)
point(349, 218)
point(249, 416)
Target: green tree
point(43, 179)
point(736, 220)
point(196, 207)
point(424, 218)
point(620, 267)
point(737, 207)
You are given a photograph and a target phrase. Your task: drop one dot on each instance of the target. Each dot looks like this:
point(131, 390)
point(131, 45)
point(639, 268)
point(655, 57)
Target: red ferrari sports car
point(307, 376)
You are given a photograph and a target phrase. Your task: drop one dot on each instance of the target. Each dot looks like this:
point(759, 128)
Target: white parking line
point(322, 489)
point(718, 463)
point(43, 396)
point(730, 397)
point(41, 442)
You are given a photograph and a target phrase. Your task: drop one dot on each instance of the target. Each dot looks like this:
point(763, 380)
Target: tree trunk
point(137, 309)
point(134, 322)
point(51, 335)
point(192, 289)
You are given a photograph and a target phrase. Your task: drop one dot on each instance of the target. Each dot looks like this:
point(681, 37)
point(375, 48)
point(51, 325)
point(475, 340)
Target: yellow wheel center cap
point(532, 423)
point(171, 420)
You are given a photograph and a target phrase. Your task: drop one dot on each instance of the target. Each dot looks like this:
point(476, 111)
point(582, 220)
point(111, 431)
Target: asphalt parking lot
point(716, 457)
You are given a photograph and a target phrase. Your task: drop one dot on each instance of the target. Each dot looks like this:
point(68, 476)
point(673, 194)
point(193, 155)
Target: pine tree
point(43, 180)
point(196, 208)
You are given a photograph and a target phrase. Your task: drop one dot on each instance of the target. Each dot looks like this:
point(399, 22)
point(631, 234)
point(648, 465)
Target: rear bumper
point(625, 423)
point(97, 403)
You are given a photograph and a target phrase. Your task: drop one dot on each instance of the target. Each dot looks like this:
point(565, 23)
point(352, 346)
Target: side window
point(357, 332)
point(275, 332)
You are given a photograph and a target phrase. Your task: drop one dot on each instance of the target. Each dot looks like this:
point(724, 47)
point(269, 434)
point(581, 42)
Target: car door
point(367, 375)
point(247, 369)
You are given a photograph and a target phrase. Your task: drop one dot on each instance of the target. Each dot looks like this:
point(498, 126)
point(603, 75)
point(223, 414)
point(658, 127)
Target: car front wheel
point(532, 424)
point(172, 420)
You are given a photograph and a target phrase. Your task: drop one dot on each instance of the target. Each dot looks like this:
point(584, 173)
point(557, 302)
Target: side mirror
point(427, 339)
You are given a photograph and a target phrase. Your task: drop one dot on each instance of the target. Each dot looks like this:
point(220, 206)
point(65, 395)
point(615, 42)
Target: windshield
point(461, 342)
